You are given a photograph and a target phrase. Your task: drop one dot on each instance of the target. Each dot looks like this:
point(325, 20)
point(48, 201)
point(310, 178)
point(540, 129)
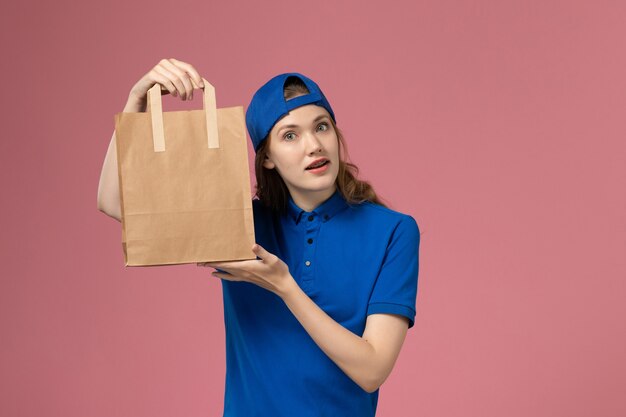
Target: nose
point(313, 143)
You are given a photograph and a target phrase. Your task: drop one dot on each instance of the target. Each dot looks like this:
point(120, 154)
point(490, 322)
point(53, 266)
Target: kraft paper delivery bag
point(184, 183)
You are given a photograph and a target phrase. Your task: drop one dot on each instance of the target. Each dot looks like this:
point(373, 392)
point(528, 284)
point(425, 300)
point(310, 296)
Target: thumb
point(260, 251)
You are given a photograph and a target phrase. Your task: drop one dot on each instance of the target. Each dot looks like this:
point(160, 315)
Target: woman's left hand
point(269, 272)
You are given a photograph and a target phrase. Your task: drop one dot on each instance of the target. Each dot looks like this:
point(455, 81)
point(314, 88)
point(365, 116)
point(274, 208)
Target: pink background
point(498, 125)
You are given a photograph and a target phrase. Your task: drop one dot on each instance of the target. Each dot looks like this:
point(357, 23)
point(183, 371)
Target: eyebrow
point(320, 117)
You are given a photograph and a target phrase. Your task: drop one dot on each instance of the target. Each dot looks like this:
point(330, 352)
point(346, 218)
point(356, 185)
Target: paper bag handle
point(155, 108)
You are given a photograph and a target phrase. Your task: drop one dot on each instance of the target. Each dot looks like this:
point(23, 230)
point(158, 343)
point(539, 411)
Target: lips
point(317, 162)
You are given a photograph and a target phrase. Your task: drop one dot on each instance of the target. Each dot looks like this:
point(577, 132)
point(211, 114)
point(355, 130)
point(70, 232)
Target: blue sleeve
point(395, 290)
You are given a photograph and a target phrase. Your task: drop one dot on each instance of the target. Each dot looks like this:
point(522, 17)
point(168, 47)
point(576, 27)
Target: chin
point(326, 182)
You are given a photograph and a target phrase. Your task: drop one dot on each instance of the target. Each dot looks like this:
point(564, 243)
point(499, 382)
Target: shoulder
point(389, 217)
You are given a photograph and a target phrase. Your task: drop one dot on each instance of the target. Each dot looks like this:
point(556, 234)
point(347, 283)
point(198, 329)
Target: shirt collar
point(325, 211)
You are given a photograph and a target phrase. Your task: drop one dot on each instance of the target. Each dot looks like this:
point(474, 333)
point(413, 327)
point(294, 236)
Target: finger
point(231, 271)
point(164, 81)
point(228, 277)
point(240, 273)
point(217, 264)
point(181, 75)
point(173, 79)
point(251, 266)
point(193, 73)
point(233, 264)
point(261, 252)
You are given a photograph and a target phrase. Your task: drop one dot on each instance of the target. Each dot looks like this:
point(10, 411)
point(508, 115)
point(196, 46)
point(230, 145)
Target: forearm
point(351, 353)
point(108, 186)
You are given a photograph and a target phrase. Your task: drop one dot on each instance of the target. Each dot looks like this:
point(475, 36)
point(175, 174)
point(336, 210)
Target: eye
point(286, 136)
point(325, 126)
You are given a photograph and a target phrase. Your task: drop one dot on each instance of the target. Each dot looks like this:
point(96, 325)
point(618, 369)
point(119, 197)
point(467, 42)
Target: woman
point(313, 327)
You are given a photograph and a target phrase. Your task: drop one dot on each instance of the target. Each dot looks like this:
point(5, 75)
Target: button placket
point(312, 230)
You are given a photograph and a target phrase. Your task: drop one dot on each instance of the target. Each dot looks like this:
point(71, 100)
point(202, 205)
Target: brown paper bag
point(184, 183)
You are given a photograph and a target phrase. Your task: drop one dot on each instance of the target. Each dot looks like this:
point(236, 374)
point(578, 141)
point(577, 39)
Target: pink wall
point(498, 125)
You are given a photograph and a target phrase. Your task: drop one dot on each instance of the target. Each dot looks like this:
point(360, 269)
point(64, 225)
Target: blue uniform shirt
point(352, 261)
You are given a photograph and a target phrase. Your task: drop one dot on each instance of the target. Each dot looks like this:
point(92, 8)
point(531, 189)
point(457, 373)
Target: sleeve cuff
point(408, 312)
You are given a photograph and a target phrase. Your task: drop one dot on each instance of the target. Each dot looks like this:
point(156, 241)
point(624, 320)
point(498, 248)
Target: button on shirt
point(352, 261)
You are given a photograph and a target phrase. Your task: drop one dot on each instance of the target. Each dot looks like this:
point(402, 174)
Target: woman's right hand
point(176, 77)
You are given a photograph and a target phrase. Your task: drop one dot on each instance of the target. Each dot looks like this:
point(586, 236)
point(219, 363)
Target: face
point(303, 136)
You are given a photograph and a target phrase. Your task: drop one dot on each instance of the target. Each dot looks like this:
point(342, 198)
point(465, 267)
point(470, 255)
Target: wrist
point(135, 103)
point(289, 287)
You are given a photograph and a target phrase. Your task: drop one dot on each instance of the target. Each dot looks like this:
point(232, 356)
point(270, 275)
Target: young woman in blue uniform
point(315, 325)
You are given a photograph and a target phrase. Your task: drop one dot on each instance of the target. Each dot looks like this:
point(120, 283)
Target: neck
point(310, 200)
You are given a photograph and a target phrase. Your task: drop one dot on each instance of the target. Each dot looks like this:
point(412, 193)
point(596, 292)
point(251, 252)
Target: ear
point(268, 163)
